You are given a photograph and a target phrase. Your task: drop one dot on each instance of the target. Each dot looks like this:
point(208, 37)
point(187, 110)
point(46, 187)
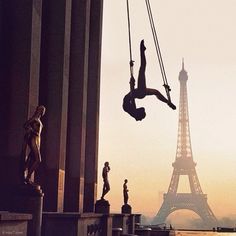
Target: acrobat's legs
point(150, 91)
point(141, 90)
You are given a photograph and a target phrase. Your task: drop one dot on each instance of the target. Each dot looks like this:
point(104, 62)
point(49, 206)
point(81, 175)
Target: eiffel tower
point(184, 165)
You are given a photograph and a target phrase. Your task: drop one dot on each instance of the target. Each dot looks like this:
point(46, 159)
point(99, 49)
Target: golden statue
point(31, 156)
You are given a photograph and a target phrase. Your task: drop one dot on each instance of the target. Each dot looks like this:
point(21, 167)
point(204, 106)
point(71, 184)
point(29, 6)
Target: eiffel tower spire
point(184, 165)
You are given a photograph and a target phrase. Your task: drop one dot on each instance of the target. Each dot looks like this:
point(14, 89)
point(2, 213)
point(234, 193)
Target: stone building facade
point(50, 54)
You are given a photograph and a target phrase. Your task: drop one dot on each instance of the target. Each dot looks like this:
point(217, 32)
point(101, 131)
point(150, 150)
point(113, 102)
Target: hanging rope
point(131, 62)
point(158, 50)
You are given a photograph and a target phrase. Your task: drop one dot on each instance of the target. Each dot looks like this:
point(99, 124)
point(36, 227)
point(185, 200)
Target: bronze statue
point(31, 156)
point(142, 91)
point(106, 185)
point(125, 192)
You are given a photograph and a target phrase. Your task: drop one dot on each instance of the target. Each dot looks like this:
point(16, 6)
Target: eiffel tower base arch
point(193, 202)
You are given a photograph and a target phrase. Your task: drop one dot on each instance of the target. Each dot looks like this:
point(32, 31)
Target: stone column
point(77, 106)
point(92, 131)
point(54, 82)
point(19, 72)
point(4, 83)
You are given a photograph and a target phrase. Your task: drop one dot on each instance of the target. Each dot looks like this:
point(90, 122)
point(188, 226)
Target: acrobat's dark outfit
point(141, 91)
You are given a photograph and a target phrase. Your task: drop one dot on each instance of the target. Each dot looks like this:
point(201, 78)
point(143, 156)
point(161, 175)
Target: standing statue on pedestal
point(106, 185)
point(102, 205)
point(31, 156)
point(125, 192)
point(126, 208)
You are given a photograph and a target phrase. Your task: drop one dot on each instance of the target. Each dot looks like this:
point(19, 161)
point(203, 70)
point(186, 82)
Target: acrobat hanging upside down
point(142, 91)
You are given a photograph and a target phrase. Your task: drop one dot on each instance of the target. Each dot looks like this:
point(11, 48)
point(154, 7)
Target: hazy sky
point(204, 34)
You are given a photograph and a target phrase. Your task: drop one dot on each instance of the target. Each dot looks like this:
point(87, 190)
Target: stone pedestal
point(137, 219)
point(14, 224)
point(29, 199)
point(75, 224)
point(116, 231)
point(121, 221)
point(143, 231)
point(102, 206)
point(131, 223)
point(126, 209)
point(129, 235)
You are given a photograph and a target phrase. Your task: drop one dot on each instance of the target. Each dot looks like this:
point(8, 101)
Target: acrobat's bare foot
point(171, 105)
point(142, 46)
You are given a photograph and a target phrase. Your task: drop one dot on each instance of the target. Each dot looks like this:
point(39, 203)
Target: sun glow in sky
point(204, 34)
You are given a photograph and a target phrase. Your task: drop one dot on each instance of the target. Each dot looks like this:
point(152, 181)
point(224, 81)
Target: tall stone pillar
point(54, 82)
point(4, 83)
point(74, 181)
point(91, 158)
point(19, 72)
